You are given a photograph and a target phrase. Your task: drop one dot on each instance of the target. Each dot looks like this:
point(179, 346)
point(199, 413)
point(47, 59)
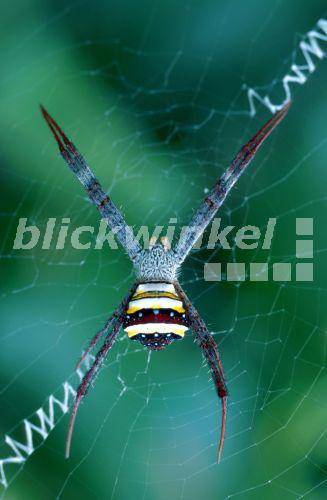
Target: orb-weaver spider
point(157, 311)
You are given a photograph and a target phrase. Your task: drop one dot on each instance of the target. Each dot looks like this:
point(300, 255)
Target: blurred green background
point(152, 94)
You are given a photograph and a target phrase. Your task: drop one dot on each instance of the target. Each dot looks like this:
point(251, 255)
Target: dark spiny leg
point(114, 323)
point(217, 195)
point(94, 341)
point(89, 376)
point(116, 314)
point(95, 192)
point(209, 348)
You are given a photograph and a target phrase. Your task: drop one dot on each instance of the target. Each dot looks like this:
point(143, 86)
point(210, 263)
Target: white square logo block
point(304, 249)
point(304, 271)
point(304, 226)
point(212, 271)
point(282, 271)
point(258, 271)
point(235, 271)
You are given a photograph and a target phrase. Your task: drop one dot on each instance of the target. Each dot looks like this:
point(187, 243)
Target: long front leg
point(210, 351)
point(106, 207)
point(218, 194)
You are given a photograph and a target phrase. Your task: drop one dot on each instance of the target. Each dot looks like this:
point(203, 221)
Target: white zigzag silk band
point(299, 73)
point(38, 426)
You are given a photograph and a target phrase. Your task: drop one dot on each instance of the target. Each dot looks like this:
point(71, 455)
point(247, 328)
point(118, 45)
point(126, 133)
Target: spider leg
point(115, 315)
point(114, 323)
point(217, 195)
point(89, 376)
point(210, 351)
point(106, 207)
point(94, 341)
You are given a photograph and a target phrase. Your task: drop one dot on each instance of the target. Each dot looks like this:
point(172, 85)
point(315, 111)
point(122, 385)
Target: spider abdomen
point(155, 315)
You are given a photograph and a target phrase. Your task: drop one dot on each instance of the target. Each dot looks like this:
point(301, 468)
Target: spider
point(156, 311)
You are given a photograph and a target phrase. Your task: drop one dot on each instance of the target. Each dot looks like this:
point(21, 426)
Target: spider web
point(159, 96)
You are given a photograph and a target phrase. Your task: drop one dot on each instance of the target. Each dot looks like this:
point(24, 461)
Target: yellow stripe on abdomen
point(154, 294)
point(155, 303)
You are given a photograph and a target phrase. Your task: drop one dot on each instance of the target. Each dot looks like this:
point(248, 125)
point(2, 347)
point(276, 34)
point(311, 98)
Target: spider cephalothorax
point(156, 311)
point(159, 263)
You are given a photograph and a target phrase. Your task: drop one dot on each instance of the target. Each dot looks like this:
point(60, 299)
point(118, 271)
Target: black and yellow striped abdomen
point(155, 315)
